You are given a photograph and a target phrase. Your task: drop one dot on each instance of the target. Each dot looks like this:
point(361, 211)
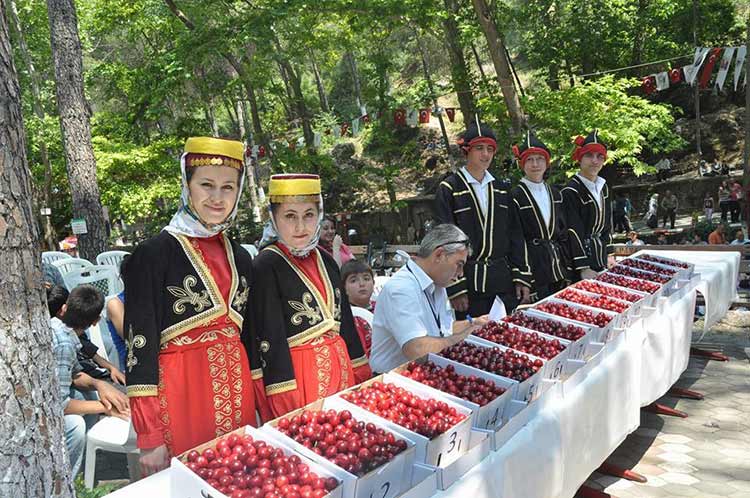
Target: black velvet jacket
point(589, 226)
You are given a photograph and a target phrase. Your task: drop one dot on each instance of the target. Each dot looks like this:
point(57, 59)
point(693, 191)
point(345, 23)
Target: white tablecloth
point(579, 422)
point(719, 273)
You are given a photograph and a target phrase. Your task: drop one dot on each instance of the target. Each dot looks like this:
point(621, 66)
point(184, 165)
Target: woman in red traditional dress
point(302, 322)
point(187, 289)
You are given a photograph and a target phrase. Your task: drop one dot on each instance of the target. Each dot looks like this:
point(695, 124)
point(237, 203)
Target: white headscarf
point(271, 233)
point(187, 222)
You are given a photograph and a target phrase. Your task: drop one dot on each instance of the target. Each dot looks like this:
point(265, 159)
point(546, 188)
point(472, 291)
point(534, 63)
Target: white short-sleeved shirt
point(409, 306)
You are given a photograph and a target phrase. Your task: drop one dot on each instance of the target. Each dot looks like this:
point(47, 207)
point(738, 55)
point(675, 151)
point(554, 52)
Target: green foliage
point(628, 123)
point(98, 492)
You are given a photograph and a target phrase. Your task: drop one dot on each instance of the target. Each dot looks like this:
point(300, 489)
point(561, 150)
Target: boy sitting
point(82, 310)
point(358, 282)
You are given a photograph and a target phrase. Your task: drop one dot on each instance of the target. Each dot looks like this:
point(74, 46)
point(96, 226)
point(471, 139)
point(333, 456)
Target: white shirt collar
point(425, 282)
point(596, 186)
point(485, 180)
point(539, 187)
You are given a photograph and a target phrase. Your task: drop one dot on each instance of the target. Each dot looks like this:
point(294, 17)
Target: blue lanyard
point(435, 314)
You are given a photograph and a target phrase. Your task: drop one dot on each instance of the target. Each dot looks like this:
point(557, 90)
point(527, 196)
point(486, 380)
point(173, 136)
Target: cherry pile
point(577, 314)
point(663, 261)
point(601, 302)
point(597, 288)
point(637, 284)
point(241, 467)
point(428, 417)
point(471, 388)
point(508, 363)
point(354, 446)
point(654, 277)
point(551, 327)
point(643, 265)
point(531, 343)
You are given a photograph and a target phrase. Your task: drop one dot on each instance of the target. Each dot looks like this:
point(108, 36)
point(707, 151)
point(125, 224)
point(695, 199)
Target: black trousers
point(481, 303)
point(622, 223)
point(543, 291)
point(724, 206)
point(669, 214)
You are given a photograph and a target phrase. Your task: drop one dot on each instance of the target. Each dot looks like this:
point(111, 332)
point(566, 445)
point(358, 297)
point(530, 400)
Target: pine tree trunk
point(319, 84)
point(746, 155)
point(32, 449)
point(478, 60)
point(355, 80)
point(431, 87)
point(249, 164)
point(502, 68)
point(49, 231)
point(639, 37)
point(76, 129)
point(459, 69)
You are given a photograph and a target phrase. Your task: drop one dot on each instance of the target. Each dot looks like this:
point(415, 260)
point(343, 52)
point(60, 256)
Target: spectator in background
point(697, 240)
point(724, 199)
point(739, 238)
point(115, 317)
point(620, 213)
point(628, 207)
point(652, 219)
point(331, 242)
point(735, 198)
point(358, 282)
point(669, 207)
point(57, 296)
point(661, 239)
point(633, 239)
point(51, 276)
point(411, 234)
point(708, 206)
point(717, 236)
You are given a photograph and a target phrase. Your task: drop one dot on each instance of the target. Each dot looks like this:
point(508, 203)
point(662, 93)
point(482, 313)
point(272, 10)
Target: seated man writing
point(412, 317)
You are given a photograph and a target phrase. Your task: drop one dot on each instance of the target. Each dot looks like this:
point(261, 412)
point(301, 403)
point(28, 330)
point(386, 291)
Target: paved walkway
point(706, 455)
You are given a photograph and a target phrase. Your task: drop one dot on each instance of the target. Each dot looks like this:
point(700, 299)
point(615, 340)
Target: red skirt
point(322, 368)
point(205, 388)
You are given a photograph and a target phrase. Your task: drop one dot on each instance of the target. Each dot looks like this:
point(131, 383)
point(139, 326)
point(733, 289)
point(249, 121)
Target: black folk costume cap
point(529, 146)
point(477, 133)
point(591, 143)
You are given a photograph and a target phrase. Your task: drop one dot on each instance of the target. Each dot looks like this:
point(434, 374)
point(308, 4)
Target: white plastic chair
point(113, 258)
point(251, 249)
point(70, 264)
point(106, 278)
point(366, 315)
point(52, 256)
point(114, 435)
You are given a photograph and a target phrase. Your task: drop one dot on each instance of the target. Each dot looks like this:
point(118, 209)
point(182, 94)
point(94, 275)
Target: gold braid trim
point(281, 387)
point(142, 390)
point(213, 161)
point(358, 362)
point(256, 374)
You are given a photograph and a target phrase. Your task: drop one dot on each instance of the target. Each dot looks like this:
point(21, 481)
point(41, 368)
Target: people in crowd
point(708, 206)
point(652, 218)
point(697, 240)
point(332, 243)
point(735, 199)
point(661, 239)
point(588, 208)
point(473, 200)
point(81, 310)
point(412, 316)
point(115, 317)
point(717, 236)
point(186, 295)
point(633, 239)
point(739, 238)
point(303, 324)
point(669, 208)
point(538, 206)
point(57, 296)
point(359, 282)
point(51, 276)
point(725, 199)
point(620, 213)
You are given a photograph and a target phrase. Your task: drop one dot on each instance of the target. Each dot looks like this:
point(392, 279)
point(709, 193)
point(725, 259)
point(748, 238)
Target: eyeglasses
point(465, 242)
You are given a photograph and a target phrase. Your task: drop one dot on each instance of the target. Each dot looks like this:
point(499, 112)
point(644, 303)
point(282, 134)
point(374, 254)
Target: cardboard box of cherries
point(247, 463)
point(370, 459)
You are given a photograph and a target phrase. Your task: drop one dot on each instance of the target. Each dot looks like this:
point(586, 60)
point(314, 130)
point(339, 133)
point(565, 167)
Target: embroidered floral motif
point(240, 298)
point(323, 364)
point(187, 295)
point(304, 310)
point(207, 336)
point(133, 342)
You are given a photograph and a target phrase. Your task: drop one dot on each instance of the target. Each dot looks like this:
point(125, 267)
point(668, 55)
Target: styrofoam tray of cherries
point(637, 299)
point(600, 301)
point(601, 322)
point(578, 335)
point(685, 269)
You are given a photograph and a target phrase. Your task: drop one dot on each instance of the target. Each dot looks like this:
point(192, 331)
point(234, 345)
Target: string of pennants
point(705, 60)
point(401, 117)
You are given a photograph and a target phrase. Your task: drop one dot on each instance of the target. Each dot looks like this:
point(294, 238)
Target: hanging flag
point(451, 112)
point(726, 61)
point(399, 117)
point(662, 81)
point(741, 53)
point(675, 76)
point(248, 151)
point(366, 119)
point(424, 116)
point(261, 151)
point(355, 126)
point(648, 85)
point(411, 117)
point(708, 68)
point(344, 129)
point(698, 58)
point(317, 139)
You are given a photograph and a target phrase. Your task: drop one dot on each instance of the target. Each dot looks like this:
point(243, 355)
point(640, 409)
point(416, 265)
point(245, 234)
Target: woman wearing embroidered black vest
point(186, 289)
point(302, 322)
point(539, 207)
point(588, 208)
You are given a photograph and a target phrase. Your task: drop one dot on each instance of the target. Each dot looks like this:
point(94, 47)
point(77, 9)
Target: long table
point(578, 423)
